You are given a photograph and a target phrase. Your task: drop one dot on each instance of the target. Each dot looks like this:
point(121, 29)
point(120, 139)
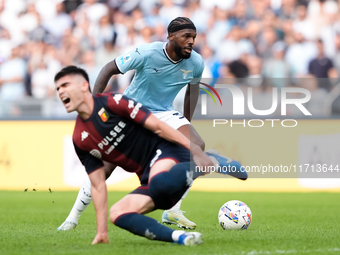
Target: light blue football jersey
point(158, 79)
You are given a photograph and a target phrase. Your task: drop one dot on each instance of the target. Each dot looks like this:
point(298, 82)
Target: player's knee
point(160, 185)
point(115, 212)
point(160, 192)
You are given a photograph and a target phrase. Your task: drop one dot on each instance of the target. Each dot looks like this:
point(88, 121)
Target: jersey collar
point(166, 54)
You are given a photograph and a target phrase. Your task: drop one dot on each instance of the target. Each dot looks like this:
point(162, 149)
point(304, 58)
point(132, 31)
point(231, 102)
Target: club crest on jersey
point(103, 114)
point(185, 73)
point(125, 59)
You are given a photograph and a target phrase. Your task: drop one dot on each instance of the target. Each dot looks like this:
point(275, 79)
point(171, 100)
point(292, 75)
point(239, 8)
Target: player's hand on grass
point(101, 238)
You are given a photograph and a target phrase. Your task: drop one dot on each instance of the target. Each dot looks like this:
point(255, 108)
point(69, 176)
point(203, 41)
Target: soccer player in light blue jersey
point(162, 70)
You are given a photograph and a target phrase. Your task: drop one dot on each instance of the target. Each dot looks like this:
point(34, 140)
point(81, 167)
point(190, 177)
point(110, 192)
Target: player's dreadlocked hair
point(180, 23)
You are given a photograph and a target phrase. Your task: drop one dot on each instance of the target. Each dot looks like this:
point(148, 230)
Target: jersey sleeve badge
point(125, 59)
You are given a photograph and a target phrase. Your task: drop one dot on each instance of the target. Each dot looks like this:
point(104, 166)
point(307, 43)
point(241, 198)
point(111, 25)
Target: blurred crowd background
point(275, 43)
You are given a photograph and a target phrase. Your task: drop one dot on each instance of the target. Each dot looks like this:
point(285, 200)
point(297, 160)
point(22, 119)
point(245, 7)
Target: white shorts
point(173, 118)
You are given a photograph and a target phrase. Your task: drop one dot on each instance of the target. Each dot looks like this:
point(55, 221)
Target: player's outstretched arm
point(168, 133)
point(165, 131)
point(104, 76)
point(190, 100)
point(99, 196)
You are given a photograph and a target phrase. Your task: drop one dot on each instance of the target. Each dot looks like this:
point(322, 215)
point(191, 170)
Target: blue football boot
point(227, 165)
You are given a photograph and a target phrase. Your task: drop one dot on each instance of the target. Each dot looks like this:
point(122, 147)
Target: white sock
point(83, 200)
point(177, 206)
point(175, 235)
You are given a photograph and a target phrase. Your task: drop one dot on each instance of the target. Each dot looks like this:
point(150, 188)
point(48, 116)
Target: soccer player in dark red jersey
point(162, 70)
point(116, 129)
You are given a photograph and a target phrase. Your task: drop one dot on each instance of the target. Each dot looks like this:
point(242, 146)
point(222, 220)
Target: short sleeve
point(198, 72)
point(128, 108)
point(131, 60)
point(90, 162)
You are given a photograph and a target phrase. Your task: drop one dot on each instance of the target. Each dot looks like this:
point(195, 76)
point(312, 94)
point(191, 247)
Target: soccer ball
point(234, 215)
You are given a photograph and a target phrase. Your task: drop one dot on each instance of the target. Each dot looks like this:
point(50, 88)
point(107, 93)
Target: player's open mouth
point(65, 100)
point(188, 50)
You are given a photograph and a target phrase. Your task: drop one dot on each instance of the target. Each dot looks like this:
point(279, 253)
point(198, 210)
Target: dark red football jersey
point(115, 133)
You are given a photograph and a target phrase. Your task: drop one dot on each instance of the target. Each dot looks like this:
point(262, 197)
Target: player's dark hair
point(72, 70)
point(180, 23)
point(302, 3)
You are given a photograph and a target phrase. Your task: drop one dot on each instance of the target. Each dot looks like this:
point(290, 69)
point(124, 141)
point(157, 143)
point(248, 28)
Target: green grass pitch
point(283, 223)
